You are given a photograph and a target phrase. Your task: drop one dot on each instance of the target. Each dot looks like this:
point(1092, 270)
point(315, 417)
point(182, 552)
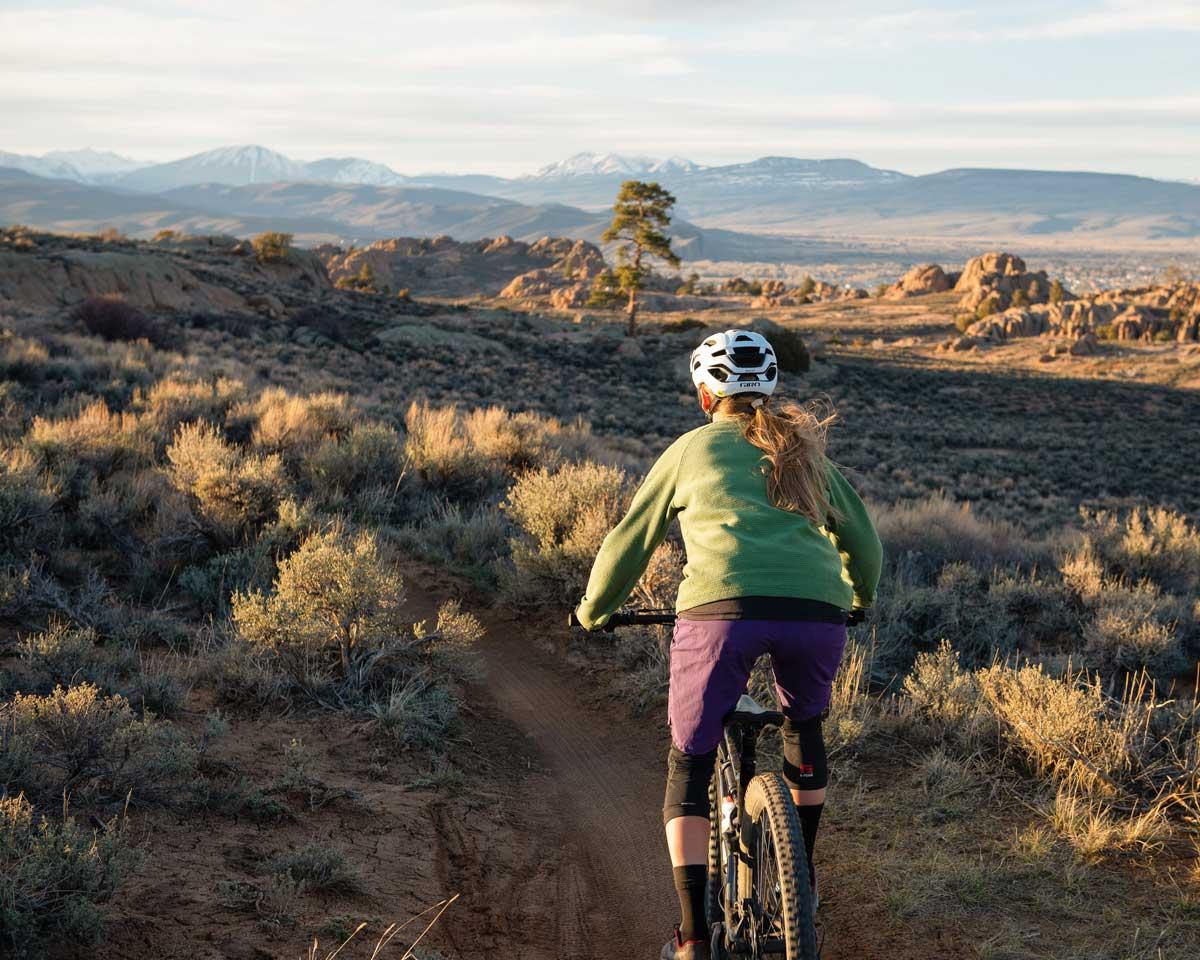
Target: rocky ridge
point(1162, 313)
point(442, 266)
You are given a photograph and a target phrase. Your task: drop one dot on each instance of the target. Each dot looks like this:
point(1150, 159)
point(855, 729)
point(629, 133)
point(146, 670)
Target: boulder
point(925, 279)
point(1086, 346)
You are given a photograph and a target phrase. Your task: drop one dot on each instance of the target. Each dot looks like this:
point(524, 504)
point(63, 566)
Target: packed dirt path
point(595, 801)
point(591, 880)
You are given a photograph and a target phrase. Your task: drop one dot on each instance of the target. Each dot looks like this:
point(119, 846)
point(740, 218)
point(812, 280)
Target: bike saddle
point(748, 713)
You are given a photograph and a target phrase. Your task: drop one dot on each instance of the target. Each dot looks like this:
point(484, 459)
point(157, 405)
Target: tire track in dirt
point(608, 775)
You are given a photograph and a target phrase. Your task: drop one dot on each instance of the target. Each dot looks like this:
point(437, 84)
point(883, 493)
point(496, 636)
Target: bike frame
point(737, 765)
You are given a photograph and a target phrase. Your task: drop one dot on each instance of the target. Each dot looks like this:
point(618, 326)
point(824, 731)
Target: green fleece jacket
point(738, 544)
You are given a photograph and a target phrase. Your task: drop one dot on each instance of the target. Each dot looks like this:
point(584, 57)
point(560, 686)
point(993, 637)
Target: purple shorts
point(711, 662)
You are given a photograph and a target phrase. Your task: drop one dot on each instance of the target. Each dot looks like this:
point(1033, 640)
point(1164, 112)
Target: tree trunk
point(631, 330)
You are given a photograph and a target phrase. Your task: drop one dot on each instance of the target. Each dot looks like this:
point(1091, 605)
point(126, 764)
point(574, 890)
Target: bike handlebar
point(666, 617)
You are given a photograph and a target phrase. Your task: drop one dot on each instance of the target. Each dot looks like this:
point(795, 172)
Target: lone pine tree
point(640, 217)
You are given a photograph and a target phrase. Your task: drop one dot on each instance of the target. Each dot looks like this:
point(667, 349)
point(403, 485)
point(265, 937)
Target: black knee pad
point(805, 766)
point(688, 777)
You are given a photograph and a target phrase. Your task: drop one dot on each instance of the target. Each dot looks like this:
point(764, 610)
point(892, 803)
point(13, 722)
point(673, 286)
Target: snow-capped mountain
point(353, 170)
point(234, 166)
point(96, 165)
point(40, 166)
point(610, 165)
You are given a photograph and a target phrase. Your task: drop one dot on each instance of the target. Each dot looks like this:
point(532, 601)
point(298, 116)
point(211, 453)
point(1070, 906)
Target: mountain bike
point(759, 903)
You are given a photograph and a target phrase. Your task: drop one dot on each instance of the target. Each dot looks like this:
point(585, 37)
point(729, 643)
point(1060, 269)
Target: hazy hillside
point(771, 195)
point(318, 212)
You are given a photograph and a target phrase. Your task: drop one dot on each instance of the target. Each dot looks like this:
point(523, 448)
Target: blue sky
point(505, 87)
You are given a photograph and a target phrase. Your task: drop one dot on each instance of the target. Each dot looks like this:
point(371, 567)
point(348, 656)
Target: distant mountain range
point(736, 205)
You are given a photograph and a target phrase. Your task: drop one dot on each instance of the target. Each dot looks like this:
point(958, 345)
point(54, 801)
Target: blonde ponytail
point(792, 438)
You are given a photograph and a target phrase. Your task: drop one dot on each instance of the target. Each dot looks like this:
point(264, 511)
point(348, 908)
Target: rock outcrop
point(1149, 313)
point(925, 279)
point(444, 267)
point(565, 283)
point(144, 280)
point(995, 279)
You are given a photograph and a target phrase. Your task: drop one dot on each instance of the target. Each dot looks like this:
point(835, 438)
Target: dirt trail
point(591, 879)
point(594, 804)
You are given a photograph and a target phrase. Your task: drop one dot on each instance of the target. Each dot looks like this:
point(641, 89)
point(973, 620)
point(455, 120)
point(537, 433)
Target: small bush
point(563, 516)
point(27, 500)
point(318, 868)
point(64, 655)
point(291, 425)
point(54, 878)
point(114, 319)
point(95, 440)
point(790, 351)
point(335, 611)
point(79, 742)
point(936, 531)
point(235, 493)
point(369, 457)
point(272, 246)
point(176, 400)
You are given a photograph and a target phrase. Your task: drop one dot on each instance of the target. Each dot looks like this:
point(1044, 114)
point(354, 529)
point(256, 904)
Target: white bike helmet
point(735, 362)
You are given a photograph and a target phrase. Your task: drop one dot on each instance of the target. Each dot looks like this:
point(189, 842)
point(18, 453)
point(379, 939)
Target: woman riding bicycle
point(779, 549)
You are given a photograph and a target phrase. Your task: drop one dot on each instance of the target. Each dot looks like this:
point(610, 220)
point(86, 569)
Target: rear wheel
point(714, 905)
point(784, 927)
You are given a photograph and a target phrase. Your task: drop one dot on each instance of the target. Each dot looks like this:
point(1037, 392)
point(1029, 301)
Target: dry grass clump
point(54, 878)
point(1119, 765)
point(95, 440)
point(179, 399)
point(234, 492)
point(563, 516)
point(460, 455)
point(292, 425)
point(95, 748)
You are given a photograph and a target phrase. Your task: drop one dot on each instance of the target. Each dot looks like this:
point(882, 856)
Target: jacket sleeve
point(627, 549)
point(854, 535)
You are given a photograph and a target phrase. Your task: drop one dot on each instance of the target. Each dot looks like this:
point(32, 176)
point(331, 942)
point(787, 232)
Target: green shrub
point(63, 655)
point(334, 612)
point(55, 878)
point(27, 500)
point(292, 425)
point(272, 246)
point(319, 868)
point(964, 321)
point(234, 493)
point(563, 516)
point(367, 459)
point(95, 748)
point(790, 351)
